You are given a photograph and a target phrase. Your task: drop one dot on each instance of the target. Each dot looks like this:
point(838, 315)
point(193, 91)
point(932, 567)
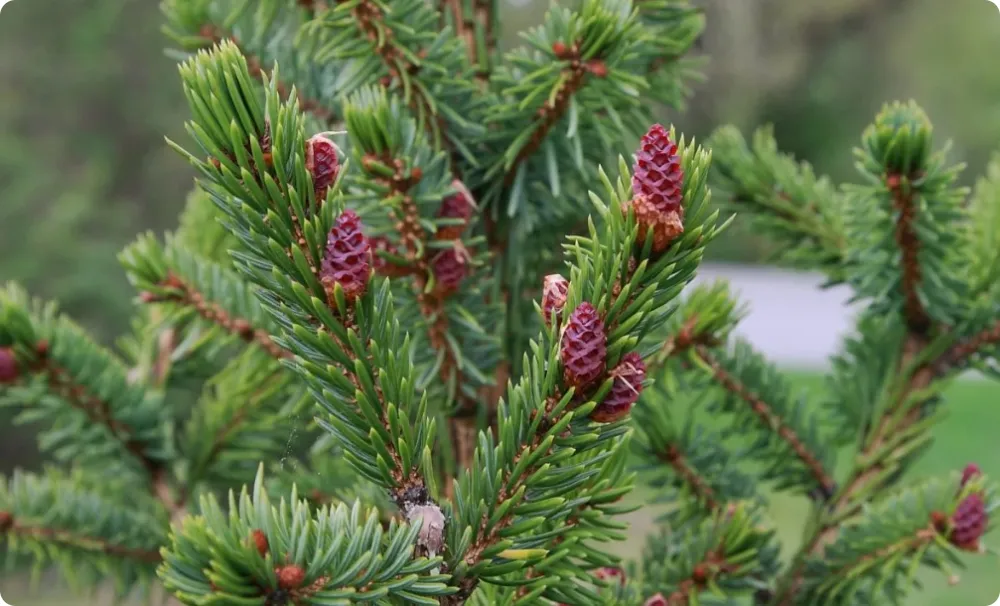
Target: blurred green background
point(87, 95)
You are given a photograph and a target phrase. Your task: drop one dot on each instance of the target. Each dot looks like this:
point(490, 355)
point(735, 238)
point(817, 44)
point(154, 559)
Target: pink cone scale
point(8, 365)
point(584, 347)
point(347, 259)
point(625, 391)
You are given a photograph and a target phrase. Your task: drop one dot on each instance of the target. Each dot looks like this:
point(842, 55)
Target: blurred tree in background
point(86, 96)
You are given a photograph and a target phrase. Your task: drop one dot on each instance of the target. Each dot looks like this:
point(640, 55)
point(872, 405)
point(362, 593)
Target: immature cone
point(584, 347)
point(657, 181)
point(629, 375)
point(969, 523)
point(555, 288)
point(460, 205)
point(290, 576)
point(450, 267)
point(656, 600)
point(322, 163)
point(346, 261)
point(8, 366)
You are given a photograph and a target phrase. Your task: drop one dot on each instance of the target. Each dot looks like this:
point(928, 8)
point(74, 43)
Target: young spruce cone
point(346, 261)
point(450, 267)
point(584, 347)
point(8, 366)
point(555, 288)
point(657, 181)
point(629, 375)
point(969, 523)
point(290, 576)
point(322, 163)
point(457, 206)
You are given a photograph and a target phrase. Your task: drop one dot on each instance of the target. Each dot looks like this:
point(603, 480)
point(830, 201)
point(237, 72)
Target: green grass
point(971, 432)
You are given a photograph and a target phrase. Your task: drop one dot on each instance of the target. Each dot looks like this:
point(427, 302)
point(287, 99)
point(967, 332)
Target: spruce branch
point(544, 420)
point(310, 263)
point(169, 274)
point(681, 455)
point(424, 234)
point(878, 554)
point(290, 552)
point(401, 48)
point(96, 409)
point(80, 523)
point(784, 198)
point(725, 553)
point(801, 444)
point(201, 24)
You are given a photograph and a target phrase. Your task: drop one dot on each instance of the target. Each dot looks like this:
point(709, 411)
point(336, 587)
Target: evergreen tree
point(409, 338)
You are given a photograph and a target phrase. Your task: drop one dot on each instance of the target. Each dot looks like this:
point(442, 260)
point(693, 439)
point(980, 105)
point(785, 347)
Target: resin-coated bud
point(625, 391)
point(555, 289)
point(347, 258)
point(322, 163)
point(584, 347)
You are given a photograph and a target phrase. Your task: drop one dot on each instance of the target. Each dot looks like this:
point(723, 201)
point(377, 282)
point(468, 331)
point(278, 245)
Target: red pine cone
point(584, 347)
point(8, 365)
point(457, 206)
point(629, 375)
point(450, 267)
point(970, 472)
point(657, 172)
point(609, 573)
point(656, 600)
point(555, 288)
point(290, 576)
point(322, 163)
point(969, 523)
point(259, 540)
point(346, 261)
point(666, 225)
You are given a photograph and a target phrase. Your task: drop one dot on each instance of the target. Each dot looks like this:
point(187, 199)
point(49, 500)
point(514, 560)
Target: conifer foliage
point(412, 344)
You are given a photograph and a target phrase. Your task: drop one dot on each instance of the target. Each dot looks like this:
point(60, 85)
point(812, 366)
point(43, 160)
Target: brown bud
point(6, 521)
point(559, 49)
point(432, 521)
point(555, 288)
point(259, 540)
point(243, 328)
point(290, 576)
point(598, 68)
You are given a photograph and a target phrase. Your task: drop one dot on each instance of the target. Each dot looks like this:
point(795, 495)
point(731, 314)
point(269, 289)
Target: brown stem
point(484, 538)
point(768, 418)
point(215, 35)
point(699, 487)
point(919, 324)
point(909, 246)
point(186, 295)
point(465, 29)
point(9, 525)
point(961, 352)
point(550, 113)
point(702, 575)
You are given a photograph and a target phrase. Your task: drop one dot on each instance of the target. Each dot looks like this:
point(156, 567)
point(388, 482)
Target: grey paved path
point(790, 319)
